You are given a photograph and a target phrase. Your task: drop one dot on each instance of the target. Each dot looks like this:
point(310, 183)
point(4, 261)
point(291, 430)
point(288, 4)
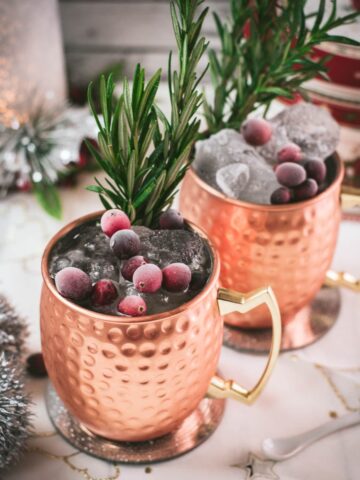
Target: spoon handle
point(282, 448)
point(335, 425)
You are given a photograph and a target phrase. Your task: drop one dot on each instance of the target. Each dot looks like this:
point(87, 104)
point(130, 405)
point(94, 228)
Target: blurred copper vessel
point(137, 379)
point(289, 247)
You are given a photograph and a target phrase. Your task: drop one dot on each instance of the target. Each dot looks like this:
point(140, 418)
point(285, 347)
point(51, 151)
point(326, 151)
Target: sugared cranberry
point(257, 131)
point(171, 220)
point(316, 169)
point(280, 196)
point(290, 174)
point(307, 190)
point(114, 220)
point(104, 292)
point(289, 153)
point(176, 277)
point(73, 283)
point(148, 278)
point(131, 265)
point(35, 365)
point(125, 243)
point(133, 306)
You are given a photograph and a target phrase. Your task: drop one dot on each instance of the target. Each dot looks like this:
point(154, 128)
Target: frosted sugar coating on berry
point(129, 267)
point(113, 221)
point(306, 190)
point(171, 220)
point(316, 169)
point(176, 277)
point(281, 196)
point(257, 131)
point(73, 283)
point(148, 278)
point(289, 153)
point(132, 305)
point(125, 243)
point(290, 174)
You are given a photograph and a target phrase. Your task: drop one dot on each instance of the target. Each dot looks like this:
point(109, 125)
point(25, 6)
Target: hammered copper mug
point(138, 379)
point(289, 247)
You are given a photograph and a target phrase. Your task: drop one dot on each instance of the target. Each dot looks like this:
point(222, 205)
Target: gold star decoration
point(257, 468)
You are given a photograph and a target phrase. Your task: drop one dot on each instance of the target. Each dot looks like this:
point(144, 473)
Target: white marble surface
point(299, 396)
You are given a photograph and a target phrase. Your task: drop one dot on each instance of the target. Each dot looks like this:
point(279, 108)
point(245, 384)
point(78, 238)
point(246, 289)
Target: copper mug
point(138, 379)
point(289, 247)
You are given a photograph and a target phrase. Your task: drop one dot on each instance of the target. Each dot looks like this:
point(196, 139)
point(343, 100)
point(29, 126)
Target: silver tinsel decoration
point(14, 402)
point(41, 149)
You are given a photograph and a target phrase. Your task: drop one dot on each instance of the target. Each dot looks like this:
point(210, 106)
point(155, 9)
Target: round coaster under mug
point(191, 433)
point(308, 325)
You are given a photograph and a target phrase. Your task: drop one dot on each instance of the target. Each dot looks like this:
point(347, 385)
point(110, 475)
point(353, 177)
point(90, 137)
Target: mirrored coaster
point(192, 432)
point(307, 326)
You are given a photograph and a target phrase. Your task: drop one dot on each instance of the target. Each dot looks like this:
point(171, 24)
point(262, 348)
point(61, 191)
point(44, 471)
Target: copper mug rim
point(119, 319)
point(340, 170)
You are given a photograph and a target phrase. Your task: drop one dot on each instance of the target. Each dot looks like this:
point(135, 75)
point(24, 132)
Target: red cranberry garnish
point(104, 292)
point(280, 196)
point(289, 153)
point(113, 221)
point(73, 283)
point(306, 190)
point(133, 306)
point(129, 267)
point(171, 220)
point(176, 277)
point(257, 131)
point(148, 278)
point(125, 243)
point(290, 174)
point(316, 169)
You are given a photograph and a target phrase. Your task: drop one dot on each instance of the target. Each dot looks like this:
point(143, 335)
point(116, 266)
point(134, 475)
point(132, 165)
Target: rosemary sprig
point(265, 52)
point(144, 154)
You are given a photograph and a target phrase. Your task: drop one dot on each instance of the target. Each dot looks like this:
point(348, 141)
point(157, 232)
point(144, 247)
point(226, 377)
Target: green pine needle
point(273, 59)
point(144, 154)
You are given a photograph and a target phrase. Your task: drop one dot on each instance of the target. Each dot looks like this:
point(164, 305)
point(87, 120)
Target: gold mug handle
point(230, 301)
point(350, 198)
point(342, 279)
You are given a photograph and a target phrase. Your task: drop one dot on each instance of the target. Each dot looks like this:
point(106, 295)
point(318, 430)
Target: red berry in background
point(148, 278)
point(114, 220)
point(280, 196)
point(85, 157)
point(289, 153)
point(23, 184)
point(125, 243)
point(316, 169)
point(129, 267)
point(171, 220)
point(104, 292)
point(133, 306)
point(176, 277)
point(35, 365)
point(257, 131)
point(307, 190)
point(73, 283)
point(356, 4)
point(290, 174)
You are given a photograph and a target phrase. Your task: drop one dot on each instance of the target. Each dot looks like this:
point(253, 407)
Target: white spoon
point(282, 448)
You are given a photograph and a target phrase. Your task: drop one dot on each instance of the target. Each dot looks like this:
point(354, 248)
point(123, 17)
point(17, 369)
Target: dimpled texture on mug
point(130, 381)
point(288, 250)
